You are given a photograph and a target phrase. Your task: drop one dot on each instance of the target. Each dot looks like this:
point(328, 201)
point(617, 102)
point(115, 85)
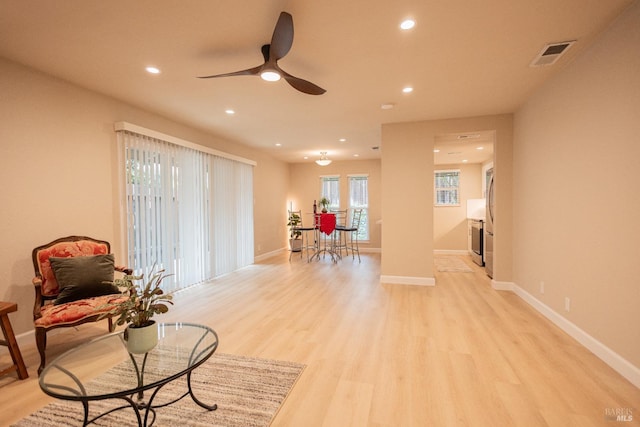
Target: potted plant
point(325, 204)
point(294, 234)
point(146, 299)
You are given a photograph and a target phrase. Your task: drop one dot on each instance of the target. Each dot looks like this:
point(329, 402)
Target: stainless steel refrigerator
point(488, 225)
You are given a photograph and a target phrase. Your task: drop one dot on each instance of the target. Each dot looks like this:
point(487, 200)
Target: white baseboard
point(450, 252)
point(371, 250)
point(502, 286)
point(26, 338)
point(267, 255)
point(406, 280)
point(610, 357)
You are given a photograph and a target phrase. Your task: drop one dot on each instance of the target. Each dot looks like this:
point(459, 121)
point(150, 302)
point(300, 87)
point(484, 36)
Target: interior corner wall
point(407, 189)
point(58, 154)
point(576, 190)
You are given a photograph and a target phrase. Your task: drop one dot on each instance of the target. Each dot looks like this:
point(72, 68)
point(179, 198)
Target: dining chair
point(352, 233)
point(299, 235)
point(338, 238)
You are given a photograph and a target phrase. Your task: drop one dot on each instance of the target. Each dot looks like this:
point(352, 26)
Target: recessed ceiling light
point(435, 150)
point(278, 144)
point(407, 89)
point(387, 106)
point(229, 111)
point(465, 161)
point(343, 140)
point(408, 24)
point(479, 148)
point(356, 155)
point(153, 70)
point(305, 157)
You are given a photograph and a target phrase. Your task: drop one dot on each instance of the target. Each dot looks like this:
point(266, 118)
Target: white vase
point(296, 245)
point(141, 340)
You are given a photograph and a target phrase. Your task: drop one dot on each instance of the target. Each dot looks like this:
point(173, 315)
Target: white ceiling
point(474, 147)
point(463, 58)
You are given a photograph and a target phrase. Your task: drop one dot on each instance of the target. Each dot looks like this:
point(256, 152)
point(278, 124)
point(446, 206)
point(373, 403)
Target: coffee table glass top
point(103, 367)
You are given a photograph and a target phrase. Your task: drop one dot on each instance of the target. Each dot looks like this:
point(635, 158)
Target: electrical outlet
point(567, 304)
point(542, 287)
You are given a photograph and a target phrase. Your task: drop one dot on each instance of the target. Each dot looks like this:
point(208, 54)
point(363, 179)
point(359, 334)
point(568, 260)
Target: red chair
point(82, 265)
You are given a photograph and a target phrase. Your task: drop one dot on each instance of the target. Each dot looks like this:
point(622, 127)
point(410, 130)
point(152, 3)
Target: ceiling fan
point(281, 42)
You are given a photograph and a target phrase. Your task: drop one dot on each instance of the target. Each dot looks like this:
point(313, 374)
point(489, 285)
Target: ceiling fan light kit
point(270, 76)
point(281, 42)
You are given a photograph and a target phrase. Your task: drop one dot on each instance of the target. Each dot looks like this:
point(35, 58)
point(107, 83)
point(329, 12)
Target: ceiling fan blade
point(265, 52)
point(302, 85)
point(282, 38)
point(281, 42)
point(249, 72)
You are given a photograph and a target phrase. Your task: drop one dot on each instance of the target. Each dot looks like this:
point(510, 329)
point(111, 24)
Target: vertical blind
point(330, 188)
point(359, 199)
point(187, 211)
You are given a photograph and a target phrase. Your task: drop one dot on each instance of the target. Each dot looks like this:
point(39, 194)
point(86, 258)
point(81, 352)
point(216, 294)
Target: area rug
point(451, 264)
point(248, 392)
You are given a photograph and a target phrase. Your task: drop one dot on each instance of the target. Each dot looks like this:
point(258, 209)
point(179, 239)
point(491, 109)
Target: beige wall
point(304, 188)
point(576, 190)
point(407, 168)
point(57, 148)
point(450, 228)
point(407, 189)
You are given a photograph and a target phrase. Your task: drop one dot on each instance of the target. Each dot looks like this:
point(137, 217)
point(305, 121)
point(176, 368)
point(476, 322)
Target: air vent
point(551, 53)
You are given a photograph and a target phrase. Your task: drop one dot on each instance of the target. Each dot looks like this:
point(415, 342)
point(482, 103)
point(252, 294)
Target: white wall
point(305, 188)
point(58, 157)
point(577, 190)
point(450, 227)
point(407, 183)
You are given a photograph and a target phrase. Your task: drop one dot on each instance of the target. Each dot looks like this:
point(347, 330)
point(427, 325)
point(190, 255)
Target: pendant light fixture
point(323, 161)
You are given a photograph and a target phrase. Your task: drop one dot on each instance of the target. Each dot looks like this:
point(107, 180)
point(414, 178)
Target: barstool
point(10, 340)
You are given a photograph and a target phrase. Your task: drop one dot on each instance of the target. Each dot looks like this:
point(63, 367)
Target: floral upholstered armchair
point(71, 275)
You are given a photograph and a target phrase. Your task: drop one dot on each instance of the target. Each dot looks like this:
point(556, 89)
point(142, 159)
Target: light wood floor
point(457, 354)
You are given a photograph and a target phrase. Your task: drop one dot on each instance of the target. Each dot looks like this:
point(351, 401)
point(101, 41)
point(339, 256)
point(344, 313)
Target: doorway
point(470, 154)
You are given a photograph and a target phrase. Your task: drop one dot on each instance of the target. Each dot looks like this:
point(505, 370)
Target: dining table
point(325, 224)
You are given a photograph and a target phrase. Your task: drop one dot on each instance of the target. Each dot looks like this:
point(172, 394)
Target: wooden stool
point(10, 340)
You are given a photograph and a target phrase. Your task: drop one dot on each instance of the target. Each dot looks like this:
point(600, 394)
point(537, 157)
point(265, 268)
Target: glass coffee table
point(103, 369)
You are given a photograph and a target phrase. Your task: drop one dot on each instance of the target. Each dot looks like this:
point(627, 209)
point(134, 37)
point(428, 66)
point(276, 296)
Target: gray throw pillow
point(83, 276)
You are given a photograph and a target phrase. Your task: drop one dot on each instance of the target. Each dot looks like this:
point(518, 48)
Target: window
point(187, 211)
point(330, 188)
point(447, 188)
point(359, 199)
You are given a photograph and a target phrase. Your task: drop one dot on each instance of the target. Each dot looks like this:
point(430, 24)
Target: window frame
point(323, 179)
point(449, 189)
point(363, 230)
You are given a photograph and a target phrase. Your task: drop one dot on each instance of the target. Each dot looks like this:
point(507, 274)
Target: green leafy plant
point(294, 221)
point(325, 204)
point(146, 299)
